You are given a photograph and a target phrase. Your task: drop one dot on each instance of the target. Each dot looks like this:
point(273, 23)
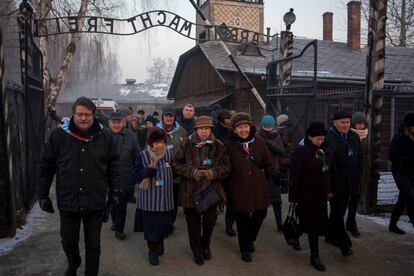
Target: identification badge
point(325, 168)
point(207, 162)
point(159, 182)
point(167, 164)
point(170, 147)
point(350, 152)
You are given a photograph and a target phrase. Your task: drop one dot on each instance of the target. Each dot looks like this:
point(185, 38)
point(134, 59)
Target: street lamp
point(289, 18)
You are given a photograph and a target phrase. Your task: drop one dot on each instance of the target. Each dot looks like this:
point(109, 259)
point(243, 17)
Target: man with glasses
point(84, 158)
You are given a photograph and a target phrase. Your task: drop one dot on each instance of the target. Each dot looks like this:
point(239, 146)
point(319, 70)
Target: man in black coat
point(83, 155)
point(402, 157)
point(346, 148)
point(187, 120)
point(127, 148)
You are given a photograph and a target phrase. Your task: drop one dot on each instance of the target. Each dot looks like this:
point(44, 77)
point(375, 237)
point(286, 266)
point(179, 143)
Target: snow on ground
point(384, 220)
point(35, 222)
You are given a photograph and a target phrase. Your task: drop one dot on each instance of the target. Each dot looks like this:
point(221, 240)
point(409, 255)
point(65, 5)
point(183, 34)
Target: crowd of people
point(171, 160)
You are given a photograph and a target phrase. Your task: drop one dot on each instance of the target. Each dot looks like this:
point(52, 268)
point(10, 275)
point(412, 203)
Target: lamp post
point(289, 18)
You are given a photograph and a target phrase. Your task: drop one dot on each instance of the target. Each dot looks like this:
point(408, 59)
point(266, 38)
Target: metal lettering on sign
point(145, 21)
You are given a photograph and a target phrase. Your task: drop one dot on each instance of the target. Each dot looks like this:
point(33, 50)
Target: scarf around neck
point(361, 133)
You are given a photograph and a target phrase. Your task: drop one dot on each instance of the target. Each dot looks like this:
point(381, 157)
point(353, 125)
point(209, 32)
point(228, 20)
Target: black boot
point(230, 231)
point(352, 227)
point(153, 258)
point(160, 248)
point(70, 271)
point(395, 229)
point(277, 208)
point(315, 260)
point(199, 260)
point(246, 256)
point(207, 254)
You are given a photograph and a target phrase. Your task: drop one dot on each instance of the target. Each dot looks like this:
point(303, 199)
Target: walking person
point(275, 145)
point(247, 188)
point(155, 192)
point(127, 148)
point(175, 135)
point(346, 149)
point(402, 158)
point(84, 157)
point(201, 161)
point(313, 178)
point(222, 132)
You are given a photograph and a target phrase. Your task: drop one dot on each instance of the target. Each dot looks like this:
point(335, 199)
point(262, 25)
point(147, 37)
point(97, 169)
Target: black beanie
point(316, 129)
point(409, 119)
point(151, 119)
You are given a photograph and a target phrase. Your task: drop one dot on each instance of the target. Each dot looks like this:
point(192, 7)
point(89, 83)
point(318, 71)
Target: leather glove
point(208, 174)
point(46, 204)
point(198, 174)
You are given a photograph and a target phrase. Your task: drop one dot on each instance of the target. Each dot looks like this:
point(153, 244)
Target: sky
point(137, 51)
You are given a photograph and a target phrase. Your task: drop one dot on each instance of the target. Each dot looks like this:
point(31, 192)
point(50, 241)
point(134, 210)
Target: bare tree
point(171, 65)
point(400, 21)
point(157, 71)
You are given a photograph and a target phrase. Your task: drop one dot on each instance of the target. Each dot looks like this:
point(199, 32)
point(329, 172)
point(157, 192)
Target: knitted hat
point(316, 129)
point(240, 118)
point(359, 118)
point(267, 121)
point(155, 134)
point(151, 119)
point(203, 121)
point(282, 118)
point(169, 111)
point(341, 115)
point(409, 119)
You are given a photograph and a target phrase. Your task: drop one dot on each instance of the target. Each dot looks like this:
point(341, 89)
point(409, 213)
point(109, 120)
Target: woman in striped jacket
point(154, 174)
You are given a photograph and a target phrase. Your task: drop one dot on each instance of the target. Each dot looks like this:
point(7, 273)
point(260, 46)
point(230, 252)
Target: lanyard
point(345, 141)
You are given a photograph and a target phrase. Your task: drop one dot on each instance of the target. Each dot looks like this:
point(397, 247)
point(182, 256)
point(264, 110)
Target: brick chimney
point(354, 25)
point(327, 26)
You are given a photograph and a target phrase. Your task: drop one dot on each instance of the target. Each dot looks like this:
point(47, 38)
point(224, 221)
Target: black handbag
point(291, 228)
point(206, 200)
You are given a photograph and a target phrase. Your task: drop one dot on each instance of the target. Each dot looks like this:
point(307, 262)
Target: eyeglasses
point(87, 115)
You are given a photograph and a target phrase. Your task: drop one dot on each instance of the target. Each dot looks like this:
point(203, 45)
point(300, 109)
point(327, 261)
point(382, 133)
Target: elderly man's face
point(188, 112)
point(169, 119)
point(83, 117)
point(343, 125)
point(116, 125)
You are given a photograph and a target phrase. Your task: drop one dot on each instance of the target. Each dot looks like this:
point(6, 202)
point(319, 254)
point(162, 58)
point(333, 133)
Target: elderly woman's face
point(360, 126)
point(242, 131)
point(317, 140)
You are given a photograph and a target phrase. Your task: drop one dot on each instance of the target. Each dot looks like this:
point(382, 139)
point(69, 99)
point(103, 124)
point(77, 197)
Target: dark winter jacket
point(402, 153)
point(310, 186)
point(348, 160)
point(221, 132)
point(127, 149)
point(247, 188)
point(187, 124)
point(275, 146)
point(86, 167)
point(189, 157)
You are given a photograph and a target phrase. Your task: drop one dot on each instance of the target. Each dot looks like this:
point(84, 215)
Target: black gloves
point(46, 204)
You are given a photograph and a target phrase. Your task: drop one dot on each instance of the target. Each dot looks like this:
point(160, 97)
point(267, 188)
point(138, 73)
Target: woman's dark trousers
point(200, 228)
point(248, 226)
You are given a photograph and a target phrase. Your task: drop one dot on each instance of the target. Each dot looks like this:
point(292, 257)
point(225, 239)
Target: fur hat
point(358, 118)
point(203, 121)
point(409, 119)
point(316, 129)
point(282, 118)
point(341, 115)
point(268, 121)
point(224, 114)
point(155, 134)
point(240, 118)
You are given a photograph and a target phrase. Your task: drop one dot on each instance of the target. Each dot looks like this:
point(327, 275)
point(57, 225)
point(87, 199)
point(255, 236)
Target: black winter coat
point(275, 145)
point(402, 153)
point(187, 124)
point(310, 187)
point(221, 133)
point(128, 150)
point(348, 160)
point(85, 168)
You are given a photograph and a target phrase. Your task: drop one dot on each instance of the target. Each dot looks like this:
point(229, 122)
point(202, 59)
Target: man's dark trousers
point(69, 231)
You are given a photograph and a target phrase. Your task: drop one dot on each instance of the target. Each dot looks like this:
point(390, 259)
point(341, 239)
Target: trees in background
point(161, 71)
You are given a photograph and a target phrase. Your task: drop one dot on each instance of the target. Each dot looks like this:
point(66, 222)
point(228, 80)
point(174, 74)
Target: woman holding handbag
point(155, 198)
point(246, 188)
point(313, 183)
point(202, 162)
